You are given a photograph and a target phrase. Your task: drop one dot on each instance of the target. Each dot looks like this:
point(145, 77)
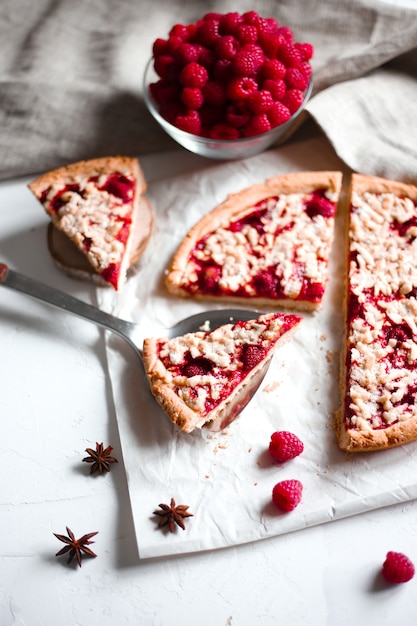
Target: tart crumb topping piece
point(379, 364)
point(204, 379)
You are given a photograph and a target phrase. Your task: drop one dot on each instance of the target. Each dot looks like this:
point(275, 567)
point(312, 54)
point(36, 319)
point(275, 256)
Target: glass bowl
point(218, 148)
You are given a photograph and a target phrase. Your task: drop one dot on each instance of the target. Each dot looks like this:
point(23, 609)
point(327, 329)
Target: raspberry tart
point(269, 243)
point(204, 379)
point(379, 362)
point(100, 221)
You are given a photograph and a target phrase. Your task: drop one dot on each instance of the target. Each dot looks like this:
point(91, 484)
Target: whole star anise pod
point(100, 458)
point(76, 547)
point(172, 515)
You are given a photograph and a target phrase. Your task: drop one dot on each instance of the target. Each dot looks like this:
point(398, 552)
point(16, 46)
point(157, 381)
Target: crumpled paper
point(226, 478)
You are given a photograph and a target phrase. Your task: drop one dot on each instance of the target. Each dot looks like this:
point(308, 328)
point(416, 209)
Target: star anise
point(172, 514)
point(76, 547)
point(100, 458)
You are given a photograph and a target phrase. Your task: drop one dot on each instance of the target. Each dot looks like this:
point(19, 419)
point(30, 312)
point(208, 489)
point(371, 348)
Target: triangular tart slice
point(96, 205)
point(205, 379)
point(379, 360)
point(269, 243)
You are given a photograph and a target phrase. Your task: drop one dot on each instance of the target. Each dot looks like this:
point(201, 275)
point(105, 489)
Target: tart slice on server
point(97, 210)
point(379, 361)
point(204, 379)
point(269, 243)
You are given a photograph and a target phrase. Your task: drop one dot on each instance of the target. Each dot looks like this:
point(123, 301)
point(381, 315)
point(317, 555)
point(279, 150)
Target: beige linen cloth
point(71, 77)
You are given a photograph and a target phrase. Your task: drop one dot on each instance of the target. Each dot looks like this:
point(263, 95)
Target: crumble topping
point(382, 311)
point(279, 248)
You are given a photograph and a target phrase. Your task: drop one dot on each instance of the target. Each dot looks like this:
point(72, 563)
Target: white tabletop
point(55, 400)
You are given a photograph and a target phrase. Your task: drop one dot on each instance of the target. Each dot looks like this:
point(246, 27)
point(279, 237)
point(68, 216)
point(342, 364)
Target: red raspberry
point(229, 23)
point(270, 43)
point(193, 75)
point(248, 60)
point(306, 50)
point(289, 55)
point(260, 101)
point(265, 283)
point(210, 115)
point(397, 568)
point(164, 91)
point(207, 32)
point(293, 99)
point(276, 88)
point(251, 355)
point(159, 47)
point(286, 495)
point(187, 53)
point(197, 367)
point(319, 205)
point(190, 122)
point(272, 68)
point(214, 93)
point(247, 33)
point(192, 97)
point(173, 44)
point(258, 124)
point(241, 88)
point(286, 33)
point(278, 114)
point(237, 113)
point(222, 130)
point(206, 58)
point(285, 446)
point(296, 79)
point(209, 277)
point(163, 65)
point(226, 47)
point(179, 30)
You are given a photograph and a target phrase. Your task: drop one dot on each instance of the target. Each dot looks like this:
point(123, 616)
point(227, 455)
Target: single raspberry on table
point(284, 446)
point(397, 568)
point(287, 494)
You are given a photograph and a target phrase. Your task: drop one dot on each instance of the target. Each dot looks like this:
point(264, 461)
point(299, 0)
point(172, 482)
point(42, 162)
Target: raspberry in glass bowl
point(230, 85)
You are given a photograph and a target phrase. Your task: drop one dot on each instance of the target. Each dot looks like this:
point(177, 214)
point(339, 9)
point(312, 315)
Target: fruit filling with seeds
point(277, 249)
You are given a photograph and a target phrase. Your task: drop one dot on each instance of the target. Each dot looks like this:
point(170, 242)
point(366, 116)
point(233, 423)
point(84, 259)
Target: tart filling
point(381, 354)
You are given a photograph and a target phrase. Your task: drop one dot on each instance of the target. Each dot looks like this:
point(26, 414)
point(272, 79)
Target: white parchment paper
point(226, 478)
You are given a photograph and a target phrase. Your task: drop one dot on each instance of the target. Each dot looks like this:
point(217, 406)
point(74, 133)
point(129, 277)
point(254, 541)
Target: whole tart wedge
point(379, 359)
point(100, 221)
point(205, 379)
point(269, 243)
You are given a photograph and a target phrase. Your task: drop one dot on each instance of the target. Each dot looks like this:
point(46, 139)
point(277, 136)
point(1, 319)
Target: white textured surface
point(55, 400)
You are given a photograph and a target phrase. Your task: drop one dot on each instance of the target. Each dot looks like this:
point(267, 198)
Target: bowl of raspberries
point(230, 85)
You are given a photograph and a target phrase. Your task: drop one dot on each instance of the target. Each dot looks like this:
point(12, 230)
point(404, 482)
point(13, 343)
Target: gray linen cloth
point(71, 77)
